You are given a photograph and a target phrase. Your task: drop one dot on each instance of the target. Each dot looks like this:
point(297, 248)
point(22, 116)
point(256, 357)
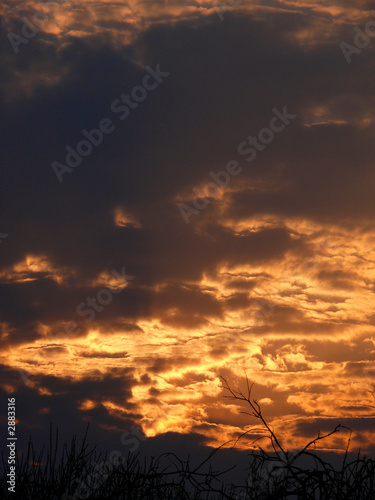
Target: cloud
point(294, 229)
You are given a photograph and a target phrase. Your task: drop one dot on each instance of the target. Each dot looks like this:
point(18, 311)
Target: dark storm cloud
point(160, 149)
point(98, 354)
point(338, 279)
point(161, 365)
point(240, 284)
point(311, 427)
point(27, 304)
point(238, 301)
point(62, 397)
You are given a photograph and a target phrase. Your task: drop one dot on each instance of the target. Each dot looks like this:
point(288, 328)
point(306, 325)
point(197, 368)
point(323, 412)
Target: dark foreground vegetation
point(82, 473)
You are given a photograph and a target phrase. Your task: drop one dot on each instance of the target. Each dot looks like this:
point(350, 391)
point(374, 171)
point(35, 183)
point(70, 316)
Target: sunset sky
point(272, 276)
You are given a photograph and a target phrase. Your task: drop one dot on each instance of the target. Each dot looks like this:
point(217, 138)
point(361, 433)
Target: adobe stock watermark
point(310, 264)
point(222, 7)
point(250, 148)
point(263, 309)
point(361, 40)
point(11, 444)
point(30, 28)
point(87, 486)
point(122, 107)
point(89, 307)
point(92, 305)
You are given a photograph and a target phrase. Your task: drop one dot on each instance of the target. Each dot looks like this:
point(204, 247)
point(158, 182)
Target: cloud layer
point(274, 277)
